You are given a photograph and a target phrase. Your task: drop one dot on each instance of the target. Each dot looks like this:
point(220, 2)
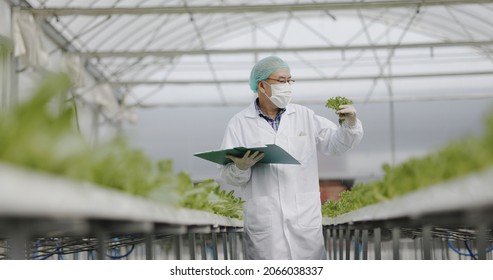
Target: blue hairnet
point(264, 68)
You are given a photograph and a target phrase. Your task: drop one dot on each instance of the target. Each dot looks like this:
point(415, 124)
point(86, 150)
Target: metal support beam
point(243, 245)
point(348, 242)
point(396, 237)
point(427, 242)
point(233, 242)
point(384, 99)
point(365, 244)
point(193, 231)
point(334, 242)
point(192, 243)
point(232, 247)
point(445, 249)
point(328, 244)
point(19, 234)
point(356, 244)
point(267, 8)
point(481, 240)
point(341, 242)
point(224, 236)
point(214, 246)
point(377, 235)
point(203, 246)
point(149, 243)
point(315, 79)
point(178, 246)
point(170, 229)
point(175, 53)
point(101, 247)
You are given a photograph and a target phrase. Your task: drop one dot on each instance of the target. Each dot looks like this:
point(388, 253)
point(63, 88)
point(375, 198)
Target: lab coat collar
point(252, 112)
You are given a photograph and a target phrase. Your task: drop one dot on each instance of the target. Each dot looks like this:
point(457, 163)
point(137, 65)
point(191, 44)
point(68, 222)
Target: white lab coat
point(282, 211)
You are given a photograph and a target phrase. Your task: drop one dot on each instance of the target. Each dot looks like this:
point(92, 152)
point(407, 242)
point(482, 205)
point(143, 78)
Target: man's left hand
point(347, 113)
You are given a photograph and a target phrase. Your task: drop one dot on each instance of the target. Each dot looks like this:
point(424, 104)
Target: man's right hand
point(247, 160)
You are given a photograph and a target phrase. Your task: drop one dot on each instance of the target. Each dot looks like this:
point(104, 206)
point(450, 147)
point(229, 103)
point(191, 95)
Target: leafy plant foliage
point(335, 102)
point(458, 158)
point(38, 134)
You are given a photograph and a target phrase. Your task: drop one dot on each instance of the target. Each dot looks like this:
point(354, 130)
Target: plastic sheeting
point(5, 73)
point(102, 96)
point(28, 44)
point(75, 68)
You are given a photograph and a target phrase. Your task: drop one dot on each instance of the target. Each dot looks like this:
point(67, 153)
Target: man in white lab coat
point(282, 211)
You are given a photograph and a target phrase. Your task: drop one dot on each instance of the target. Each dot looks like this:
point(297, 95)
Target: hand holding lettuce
point(343, 108)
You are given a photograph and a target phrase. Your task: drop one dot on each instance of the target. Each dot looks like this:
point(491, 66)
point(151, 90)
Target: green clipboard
point(272, 154)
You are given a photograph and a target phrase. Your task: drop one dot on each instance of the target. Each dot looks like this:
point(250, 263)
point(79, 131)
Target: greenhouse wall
point(4, 18)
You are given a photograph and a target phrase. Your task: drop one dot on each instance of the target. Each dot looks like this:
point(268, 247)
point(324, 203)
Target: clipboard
point(273, 154)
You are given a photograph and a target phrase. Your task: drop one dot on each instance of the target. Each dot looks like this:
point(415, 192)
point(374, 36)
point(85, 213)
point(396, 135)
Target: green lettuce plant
point(458, 158)
point(335, 102)
point(40, 136)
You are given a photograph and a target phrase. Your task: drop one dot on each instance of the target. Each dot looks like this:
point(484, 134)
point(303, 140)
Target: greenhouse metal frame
point(435, 223)
point(145, 50)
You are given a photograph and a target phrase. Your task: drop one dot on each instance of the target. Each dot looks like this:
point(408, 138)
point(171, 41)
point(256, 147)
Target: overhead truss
point(96, 38)
point(264, 8)
point(316, 79)
point(173, 53)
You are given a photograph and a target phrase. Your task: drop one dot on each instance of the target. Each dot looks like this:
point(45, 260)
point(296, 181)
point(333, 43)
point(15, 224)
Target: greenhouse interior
point(105, 104)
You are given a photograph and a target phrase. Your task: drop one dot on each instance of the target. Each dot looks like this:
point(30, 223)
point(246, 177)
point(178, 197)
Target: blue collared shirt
point(273, 122)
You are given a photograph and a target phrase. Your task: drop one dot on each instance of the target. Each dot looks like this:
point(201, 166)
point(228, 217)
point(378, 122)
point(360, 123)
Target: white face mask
point(281, 94)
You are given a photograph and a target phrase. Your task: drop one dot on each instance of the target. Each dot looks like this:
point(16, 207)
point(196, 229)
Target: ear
point(260, 86)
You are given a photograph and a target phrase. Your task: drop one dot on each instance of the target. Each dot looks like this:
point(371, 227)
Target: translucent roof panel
point(150, 47)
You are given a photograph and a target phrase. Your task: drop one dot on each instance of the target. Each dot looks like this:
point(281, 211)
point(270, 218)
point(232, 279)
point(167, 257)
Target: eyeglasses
point(289, 81)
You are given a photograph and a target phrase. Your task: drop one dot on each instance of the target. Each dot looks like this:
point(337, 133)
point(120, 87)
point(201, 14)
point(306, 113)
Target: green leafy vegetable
point(335, 102)
point(207, 195)
point(457, 159)
point(41, 136)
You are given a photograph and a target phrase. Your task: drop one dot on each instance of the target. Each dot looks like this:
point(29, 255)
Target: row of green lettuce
point(39, 134)
point(461, 157)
